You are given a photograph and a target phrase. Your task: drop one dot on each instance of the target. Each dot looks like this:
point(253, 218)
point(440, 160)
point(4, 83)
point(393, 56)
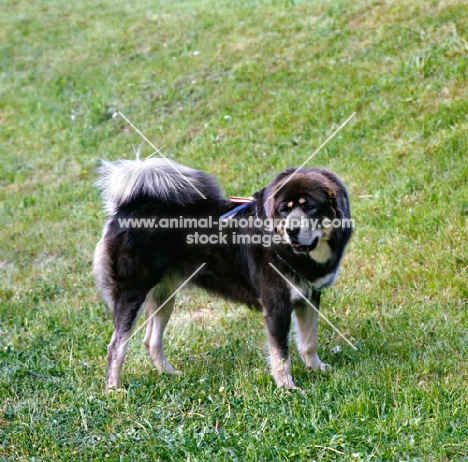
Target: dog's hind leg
point(126, 310)
point(306, 333)
point(158, 308)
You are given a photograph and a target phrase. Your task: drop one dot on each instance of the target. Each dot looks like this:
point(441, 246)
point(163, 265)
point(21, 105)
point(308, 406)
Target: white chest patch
point(325, 281)
point(301, 287)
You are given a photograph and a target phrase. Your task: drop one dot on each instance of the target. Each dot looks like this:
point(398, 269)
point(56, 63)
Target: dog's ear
point(259, 194)
point(270, 207)
point(269, 201)
point(331, 193)
point(262, 197)
point(339, 201)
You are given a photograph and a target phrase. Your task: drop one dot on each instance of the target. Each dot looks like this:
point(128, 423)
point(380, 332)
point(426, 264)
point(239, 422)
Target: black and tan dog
point(138, 264)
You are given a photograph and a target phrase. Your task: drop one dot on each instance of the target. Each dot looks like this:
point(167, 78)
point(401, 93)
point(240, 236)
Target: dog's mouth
point(298, 247)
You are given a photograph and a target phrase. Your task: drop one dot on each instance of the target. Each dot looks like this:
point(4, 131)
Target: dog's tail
point(154, 178)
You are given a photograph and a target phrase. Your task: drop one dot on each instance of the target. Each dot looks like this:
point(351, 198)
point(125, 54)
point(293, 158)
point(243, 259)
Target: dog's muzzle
point(303, 240)
point(298, 247)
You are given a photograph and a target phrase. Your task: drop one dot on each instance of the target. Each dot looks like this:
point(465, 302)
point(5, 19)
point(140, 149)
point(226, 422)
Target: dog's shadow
point(229, 348)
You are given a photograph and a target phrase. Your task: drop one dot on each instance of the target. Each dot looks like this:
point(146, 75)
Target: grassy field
point(241, 90)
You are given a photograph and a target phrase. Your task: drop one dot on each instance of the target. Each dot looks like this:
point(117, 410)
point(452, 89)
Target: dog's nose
point(293, 231)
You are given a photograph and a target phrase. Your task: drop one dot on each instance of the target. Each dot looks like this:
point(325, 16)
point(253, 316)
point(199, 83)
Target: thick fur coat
point(139, 264)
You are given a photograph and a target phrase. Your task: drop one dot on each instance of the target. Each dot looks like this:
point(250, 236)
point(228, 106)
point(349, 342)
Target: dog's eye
point(310, 207)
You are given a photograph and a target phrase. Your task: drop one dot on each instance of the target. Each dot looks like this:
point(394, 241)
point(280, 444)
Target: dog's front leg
point(277, 311)
point(306, 329)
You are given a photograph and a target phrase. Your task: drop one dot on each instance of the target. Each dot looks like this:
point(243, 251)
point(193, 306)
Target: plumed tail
point(155, 178)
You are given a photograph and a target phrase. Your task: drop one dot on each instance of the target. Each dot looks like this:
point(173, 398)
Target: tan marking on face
point(290, 204)
point(302, 200)
point(279, 226)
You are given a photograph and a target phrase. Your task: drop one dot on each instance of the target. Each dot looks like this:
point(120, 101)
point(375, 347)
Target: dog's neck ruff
point(308, 283)
point(243, 201)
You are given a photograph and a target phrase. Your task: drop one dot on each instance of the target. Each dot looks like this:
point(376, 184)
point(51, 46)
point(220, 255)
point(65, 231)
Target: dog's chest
point(325, 281)
point(302, 287)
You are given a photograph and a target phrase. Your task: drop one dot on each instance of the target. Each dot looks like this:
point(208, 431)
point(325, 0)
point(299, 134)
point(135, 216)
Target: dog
point(279, 268)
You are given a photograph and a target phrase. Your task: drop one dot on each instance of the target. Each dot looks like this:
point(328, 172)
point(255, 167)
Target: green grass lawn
point(241, 90)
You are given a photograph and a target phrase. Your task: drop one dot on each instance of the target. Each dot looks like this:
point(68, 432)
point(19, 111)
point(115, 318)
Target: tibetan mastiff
point(168, 222)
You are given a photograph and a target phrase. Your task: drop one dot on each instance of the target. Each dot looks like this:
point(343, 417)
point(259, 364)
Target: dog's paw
point(172, 372)
point(322, 367)
point(314, 363)
point(166, 368)
point(325, 368)
point(114, 389)
point(284, 380)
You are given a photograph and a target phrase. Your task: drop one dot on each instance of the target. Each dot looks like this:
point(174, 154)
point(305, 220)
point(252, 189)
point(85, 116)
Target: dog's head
point(303, 205)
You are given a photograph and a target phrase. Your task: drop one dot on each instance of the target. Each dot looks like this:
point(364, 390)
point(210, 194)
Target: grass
point(241, 90)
